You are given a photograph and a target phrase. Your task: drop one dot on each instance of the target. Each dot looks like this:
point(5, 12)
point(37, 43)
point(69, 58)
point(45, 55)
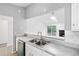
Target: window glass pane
point(53, 28)
point(49, 30)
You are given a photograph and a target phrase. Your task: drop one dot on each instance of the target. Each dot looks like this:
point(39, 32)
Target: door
point(6, 30)
point(75, 17)
point(3, 31)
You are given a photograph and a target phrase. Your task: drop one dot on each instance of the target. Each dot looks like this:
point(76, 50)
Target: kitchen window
point(51, 30)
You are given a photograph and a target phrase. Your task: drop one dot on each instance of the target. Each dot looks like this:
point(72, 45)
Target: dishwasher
point(21, 48)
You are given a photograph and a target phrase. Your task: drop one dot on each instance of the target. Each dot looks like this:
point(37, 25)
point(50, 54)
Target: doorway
point(6, 31)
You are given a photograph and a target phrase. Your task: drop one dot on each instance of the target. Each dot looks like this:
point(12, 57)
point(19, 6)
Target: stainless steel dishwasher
point(21, 48)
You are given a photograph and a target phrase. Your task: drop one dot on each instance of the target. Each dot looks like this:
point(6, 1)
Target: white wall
point(40, 23)
point(12, 11)
point(60, 15)
point(34, 26)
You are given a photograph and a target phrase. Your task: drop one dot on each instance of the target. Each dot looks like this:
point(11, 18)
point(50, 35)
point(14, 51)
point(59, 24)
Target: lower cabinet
point(33, 51)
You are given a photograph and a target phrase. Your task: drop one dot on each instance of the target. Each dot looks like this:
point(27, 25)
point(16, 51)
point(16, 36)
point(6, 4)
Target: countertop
point(54, 48)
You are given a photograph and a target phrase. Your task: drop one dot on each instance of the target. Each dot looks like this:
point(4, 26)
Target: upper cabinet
point(75, 17)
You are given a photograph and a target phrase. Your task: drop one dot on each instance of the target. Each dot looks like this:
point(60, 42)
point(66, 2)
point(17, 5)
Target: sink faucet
point(40, 35)
point(41, 40)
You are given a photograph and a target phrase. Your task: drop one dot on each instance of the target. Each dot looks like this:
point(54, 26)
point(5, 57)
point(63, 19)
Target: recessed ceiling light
point(45, 9)
point(19, 11)
point(53, 17)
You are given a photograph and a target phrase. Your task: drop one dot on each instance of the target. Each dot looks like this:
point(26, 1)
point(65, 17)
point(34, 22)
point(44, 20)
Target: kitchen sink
point(39, 42)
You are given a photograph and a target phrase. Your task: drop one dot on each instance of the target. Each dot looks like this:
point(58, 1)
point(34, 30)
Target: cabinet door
point(75, 17)
point(38, 52)
point(33, 51)
point(28, 51)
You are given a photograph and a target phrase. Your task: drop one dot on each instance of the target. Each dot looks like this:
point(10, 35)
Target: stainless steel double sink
point(39, 42)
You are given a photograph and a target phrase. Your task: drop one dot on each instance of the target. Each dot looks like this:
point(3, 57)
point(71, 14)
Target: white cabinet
point(33, 51)
point(75, 17)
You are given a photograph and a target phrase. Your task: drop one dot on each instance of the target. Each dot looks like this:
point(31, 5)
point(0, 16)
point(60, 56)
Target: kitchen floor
point(6, 51)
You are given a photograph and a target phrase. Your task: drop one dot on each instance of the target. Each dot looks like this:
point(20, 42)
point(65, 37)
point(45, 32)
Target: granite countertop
point(57, 50)
point(54, 48)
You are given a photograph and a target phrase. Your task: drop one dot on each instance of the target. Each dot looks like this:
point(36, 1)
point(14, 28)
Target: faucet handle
point(40, 33)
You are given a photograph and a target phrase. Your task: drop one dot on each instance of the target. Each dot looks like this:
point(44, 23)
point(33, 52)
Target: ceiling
point(21, 4)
